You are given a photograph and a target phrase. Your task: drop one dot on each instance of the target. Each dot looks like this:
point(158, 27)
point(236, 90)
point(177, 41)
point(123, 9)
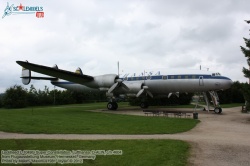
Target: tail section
point(26, 76)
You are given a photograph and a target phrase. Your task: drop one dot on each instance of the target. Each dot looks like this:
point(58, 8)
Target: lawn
point(134, 152)
point(75, 119)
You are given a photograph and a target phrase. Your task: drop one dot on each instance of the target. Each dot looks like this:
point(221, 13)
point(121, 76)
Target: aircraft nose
point(229, 83)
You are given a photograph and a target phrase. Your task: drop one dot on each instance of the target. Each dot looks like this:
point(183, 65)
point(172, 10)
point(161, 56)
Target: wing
point(58, 73)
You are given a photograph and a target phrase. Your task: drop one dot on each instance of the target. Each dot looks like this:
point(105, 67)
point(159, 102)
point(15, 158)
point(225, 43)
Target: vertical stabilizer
point(26, 76)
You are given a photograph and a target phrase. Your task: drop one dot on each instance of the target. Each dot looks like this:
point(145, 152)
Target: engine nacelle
point(105, 81)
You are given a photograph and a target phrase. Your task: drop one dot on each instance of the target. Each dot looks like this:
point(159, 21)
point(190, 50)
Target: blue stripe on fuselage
point(168, 77)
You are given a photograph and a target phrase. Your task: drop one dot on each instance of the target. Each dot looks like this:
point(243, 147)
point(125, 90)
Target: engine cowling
point(105, 81)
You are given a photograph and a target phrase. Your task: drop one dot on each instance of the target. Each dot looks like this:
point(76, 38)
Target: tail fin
point(26, 76)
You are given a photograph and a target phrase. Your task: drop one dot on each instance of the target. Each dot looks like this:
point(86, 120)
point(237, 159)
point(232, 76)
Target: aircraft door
point(201, 82)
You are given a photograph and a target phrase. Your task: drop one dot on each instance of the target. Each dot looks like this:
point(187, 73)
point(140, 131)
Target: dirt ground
point(218, 140)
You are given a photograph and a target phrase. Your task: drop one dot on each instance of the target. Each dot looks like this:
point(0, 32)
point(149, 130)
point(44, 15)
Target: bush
point(15, 97)
point(1, 100)
point(234, 94)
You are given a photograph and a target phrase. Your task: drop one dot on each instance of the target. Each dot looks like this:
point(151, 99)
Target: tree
point(15, 97)
point(1, 100)
point(246, 88)
point(232, 95)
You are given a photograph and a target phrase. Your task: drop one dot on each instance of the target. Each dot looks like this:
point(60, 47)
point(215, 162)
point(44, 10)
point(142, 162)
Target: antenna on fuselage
point(118, 66)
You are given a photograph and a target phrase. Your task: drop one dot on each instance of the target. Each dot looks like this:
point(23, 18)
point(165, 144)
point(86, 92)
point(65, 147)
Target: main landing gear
point(112, 105)
point(144, 105)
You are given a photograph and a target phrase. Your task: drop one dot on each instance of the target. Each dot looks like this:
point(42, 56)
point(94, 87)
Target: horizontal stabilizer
point(41, 78)
point(55, 72)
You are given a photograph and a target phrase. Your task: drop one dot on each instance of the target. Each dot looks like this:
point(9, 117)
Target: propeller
point(119, 82)
point(176, 94)
point(144, 89)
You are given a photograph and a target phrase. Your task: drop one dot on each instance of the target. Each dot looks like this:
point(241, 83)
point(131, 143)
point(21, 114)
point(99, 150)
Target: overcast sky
point(94, 35)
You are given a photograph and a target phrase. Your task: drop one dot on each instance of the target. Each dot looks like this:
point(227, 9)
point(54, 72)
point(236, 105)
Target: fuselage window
point(179, 77)
point(148, 77)
point(186, 77)
point(164, 77)
point(193, 77)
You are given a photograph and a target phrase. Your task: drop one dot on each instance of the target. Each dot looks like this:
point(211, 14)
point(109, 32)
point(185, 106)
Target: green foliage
point(134, 152)
point(233, 95)
point(1, 100)
point(15, 97)
point(183, 99)
point(246, 52)
point(18, 97)
point(246, 92)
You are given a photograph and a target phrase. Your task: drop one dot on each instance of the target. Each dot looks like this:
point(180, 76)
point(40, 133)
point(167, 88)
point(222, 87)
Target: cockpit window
point(216, 74)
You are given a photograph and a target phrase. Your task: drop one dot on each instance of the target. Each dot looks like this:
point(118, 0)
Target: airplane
point(153, 85)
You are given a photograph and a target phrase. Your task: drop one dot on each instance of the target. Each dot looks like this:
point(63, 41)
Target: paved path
point(218, 140)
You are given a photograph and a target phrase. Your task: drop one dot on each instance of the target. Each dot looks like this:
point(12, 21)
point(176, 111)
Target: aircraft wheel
point(217, 110)
point(110, 106)
point(115, 105)
point(144, 105)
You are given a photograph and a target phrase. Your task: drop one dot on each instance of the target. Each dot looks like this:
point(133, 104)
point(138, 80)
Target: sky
point(140, 34)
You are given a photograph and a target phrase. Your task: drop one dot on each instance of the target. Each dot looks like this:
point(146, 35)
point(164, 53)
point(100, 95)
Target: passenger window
point(164, 77)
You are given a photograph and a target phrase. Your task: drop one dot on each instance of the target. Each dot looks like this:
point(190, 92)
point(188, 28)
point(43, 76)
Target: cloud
point(94, 35)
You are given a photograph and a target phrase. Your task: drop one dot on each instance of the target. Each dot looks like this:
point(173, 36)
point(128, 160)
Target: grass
point(134, 152)
point(74, 119)
point(232, 105)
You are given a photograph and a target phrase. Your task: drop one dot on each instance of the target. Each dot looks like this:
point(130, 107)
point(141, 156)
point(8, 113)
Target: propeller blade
point(169, 95)
point(125, 86)
point(112, 87)
point(140, 92)
point(177, 94)
point(150, 94)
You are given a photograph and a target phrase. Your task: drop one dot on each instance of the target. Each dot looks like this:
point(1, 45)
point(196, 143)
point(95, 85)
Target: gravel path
point(218, 140)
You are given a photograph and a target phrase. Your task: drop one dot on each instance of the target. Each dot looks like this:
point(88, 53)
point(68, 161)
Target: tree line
point(20, 97)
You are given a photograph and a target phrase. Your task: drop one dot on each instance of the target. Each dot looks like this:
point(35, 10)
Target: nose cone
point(227, 83)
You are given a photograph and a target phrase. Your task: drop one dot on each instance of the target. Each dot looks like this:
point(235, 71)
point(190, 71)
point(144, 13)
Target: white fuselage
point(161, 84)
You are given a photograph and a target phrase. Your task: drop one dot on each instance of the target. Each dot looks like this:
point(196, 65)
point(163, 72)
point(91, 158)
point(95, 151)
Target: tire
point(110, 106)
point(217, 110)
point(115, 105)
